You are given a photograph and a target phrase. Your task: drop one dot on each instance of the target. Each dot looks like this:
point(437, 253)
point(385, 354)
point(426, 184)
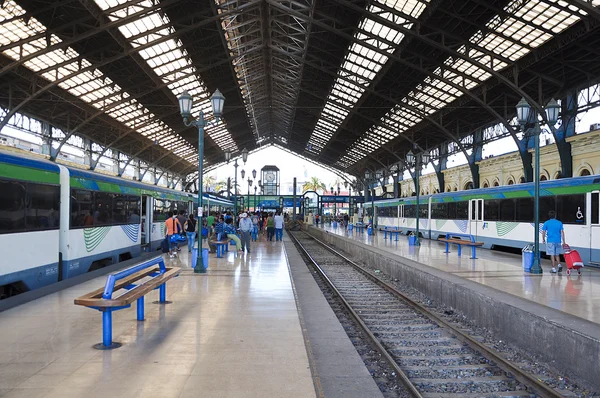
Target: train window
point(462, 210)
point(439, 211)
point(423, 210)
point(133, 210)
point(595, 208)
point(524, 209)
point(43, 206)
point(452, 211)
point(507, 210)
point(547, 203)
point(570, 209)
point(410, 211)
point(12, 206)
point(103, 208)
point(490, 210)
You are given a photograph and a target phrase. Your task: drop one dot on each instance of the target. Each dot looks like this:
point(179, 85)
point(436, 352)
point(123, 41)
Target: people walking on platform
point(190, 231)
point(317, 220)
point(346, 220)
point(254, 220)
point(270, 227)
point(278, 223)
point(553, 228)
point(246, 228)
point(172, 225)
point(229, 229)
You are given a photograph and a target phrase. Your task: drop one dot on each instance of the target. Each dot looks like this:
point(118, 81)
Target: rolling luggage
point(164, 246)
point(573, 260)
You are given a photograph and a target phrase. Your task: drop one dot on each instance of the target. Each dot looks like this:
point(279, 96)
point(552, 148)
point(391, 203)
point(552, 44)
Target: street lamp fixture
point(227, 156)
point(244, 155)
point(523, 114)
point(243, 173)
point(185, 108)
point(254, 174)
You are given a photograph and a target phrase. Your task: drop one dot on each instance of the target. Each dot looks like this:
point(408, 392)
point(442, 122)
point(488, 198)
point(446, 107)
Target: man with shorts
point(556, 235)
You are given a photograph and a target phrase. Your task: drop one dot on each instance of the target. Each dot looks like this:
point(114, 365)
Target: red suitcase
point(573, 260)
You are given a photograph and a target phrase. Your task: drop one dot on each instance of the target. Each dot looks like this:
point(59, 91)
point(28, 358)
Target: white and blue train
point(57, 222)
point(502, 217)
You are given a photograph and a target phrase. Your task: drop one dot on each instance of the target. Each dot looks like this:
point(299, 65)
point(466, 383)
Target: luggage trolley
point(573, 260)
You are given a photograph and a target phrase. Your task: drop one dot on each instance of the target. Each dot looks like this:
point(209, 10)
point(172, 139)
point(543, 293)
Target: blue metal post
point(417, 174)
point(163, 292)
point(140, 309)
point(536, 268)
point(107, 327)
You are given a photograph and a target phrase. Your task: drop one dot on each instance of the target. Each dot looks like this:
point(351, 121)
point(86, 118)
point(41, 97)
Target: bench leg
point(397, 237)
point(473, 252)
point(107, 343)
point(140, 309)
point(459, 250)
point(385, 235)
point(162, 295)
point(447, 248)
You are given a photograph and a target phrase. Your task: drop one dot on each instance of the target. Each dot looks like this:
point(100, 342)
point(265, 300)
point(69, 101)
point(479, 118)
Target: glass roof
point(169, 60)
point(529, 25)
point(361, 65)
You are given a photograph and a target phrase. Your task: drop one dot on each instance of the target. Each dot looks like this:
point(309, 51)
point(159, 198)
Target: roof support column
point(567, 129)
point(46, 138)
point(399, 176)
point(441, 166)
point(525, 144)
point(155, 176)
point(476, 156)
point(115, 158)
point(137, 172)
point(87, 153)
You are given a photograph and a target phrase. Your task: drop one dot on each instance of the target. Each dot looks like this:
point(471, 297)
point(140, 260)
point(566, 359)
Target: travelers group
point(242, 229)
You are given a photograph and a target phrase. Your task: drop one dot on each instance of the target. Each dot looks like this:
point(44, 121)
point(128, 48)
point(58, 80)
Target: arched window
point(413, 194)
point(522, 180)
point(543, 177)
point(496, 184)
point(455, 189)
point(485, 185)
point(448, 189)
point(510, 182)
point(468, 185)
point(585, 172)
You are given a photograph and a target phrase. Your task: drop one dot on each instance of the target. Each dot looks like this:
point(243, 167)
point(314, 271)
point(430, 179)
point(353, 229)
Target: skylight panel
point(90, 85)
point(370, 61)
point(165, 57)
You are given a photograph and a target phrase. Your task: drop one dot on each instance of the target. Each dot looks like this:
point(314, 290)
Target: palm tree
point(221, 186)
point(208, 182)
point(314, 184)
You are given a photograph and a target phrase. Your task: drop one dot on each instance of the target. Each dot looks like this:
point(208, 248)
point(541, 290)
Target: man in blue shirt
point(556, 234)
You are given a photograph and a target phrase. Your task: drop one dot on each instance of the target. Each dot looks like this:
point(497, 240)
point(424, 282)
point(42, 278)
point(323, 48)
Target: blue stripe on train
point(82, 265)
point(33, 278)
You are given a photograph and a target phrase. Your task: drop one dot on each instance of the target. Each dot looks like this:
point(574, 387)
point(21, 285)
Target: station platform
point(577, 295)
point(233, 332)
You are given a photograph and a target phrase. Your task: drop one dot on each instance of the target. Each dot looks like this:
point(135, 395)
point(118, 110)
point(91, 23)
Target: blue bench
point(132, 284)
point(392, 232)
point(360, 227)
point(457, 239)
point(221, 245)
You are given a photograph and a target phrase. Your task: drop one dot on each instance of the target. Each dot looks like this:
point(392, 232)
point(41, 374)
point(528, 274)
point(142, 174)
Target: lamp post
point(417, 161)
point(235, 190)
point(243, 174)
point(523, 113)
point(255, 198)
point(260, 186)
point(185, 108)
point(249, 186)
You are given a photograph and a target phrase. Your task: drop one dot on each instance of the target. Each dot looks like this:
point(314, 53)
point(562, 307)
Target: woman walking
point(270, 227)
point(190, 231)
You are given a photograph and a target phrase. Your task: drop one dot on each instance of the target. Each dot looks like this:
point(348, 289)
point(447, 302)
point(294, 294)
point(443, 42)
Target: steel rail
point(399, 372)
point(527, 379)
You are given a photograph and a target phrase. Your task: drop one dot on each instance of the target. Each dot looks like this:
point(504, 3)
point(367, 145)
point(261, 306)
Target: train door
point(400, 215)
point(595, 228)
point(475, 216)
point(147, 207)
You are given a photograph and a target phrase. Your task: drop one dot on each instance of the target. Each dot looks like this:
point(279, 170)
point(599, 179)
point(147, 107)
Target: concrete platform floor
point(577, 295)
point(233, 332)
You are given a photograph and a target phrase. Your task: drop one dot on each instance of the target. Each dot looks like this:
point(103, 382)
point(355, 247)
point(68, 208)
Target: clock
point(270, 176)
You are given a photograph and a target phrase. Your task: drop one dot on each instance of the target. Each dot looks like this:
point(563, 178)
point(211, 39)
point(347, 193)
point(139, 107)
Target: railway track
point(432, 358)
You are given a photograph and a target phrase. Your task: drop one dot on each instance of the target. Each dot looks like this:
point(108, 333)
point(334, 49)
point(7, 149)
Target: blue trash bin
point(350, 226)
point(334, 224)
point(204, 257)
point(412, 240)
point(370, 231)
point(527, 257)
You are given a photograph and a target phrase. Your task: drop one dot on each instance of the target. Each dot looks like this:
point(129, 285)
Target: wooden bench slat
point(461, 242)
point(94, 299)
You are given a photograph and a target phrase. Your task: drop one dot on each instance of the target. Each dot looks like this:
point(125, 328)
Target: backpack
point(190, 226)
